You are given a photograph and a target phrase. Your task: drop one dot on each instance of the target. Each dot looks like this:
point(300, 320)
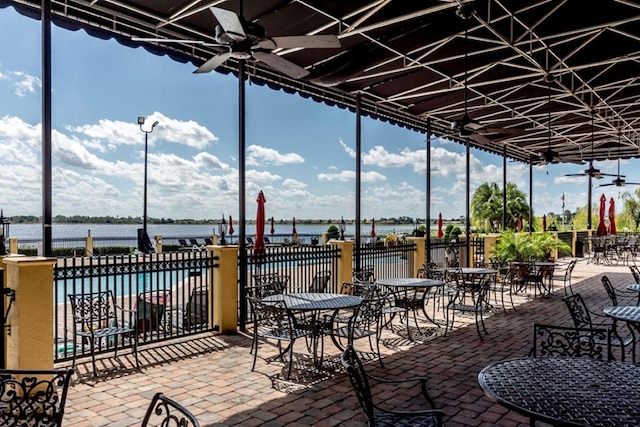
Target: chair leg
point(93, 356)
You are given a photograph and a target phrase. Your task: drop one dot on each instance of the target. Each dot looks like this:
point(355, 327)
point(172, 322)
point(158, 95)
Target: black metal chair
point(377, 415)
point(582, 318)
point(365, 274)
point(474, 300)
point(100, 322)
point(274, 321)
point(553, 340)
point(562, 273)
point(268, 284)
point(504, 285)
point(33, 397)
point(616, 295)
point(320, 281)
point(364, 322)
point(164, 411)
point(196, 310)
point(635, 271)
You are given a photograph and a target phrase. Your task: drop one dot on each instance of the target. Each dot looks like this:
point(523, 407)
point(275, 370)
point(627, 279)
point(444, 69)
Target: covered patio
point(211, 375)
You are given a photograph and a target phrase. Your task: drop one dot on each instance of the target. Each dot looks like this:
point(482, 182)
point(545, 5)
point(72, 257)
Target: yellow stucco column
point(490, 241)
point(224, 311)
point(420, 255)
point(30, 342)
point(88, 247)
point(345, 263)
point(13, 245)
point(158, 239)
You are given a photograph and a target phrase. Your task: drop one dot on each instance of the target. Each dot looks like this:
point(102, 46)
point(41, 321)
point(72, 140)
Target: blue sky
point(299, 152)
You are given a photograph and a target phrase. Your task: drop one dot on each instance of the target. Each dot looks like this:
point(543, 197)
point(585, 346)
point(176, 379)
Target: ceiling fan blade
point(499, 130)
point(280, 64)
point(576, 174)
point(153, 39)
point(213, 63)
point(480, 139)
point(632, 183)
point(310, 42)
point(606, 185)
point(230, 23)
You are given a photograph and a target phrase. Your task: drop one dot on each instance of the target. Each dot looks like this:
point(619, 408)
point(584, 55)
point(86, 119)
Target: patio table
point(635, 287)
point(314, 303)
point(566, 390)
point(401, 286)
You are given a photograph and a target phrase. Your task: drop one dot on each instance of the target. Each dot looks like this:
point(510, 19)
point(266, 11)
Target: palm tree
point(486, 206)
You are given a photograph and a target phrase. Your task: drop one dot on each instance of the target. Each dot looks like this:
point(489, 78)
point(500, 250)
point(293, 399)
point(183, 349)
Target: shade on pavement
point(602, 228)
point(612, 217)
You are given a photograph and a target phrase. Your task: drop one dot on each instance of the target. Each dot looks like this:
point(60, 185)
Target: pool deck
point(211, 374)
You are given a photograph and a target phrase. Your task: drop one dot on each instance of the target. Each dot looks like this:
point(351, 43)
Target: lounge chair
point(196, 310)
point(208, 241)
point(194, 242)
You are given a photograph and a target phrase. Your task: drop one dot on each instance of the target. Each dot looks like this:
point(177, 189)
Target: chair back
point(578, 311)
point(33, 397)
point(364, 290)
point(164, 411)
point(268, 284)
point(364, 275)
point(320, 281)
point(150, 310)
point(611, 292)
point(635, 271)
point(275, 316)
point(359, 380)
point(94, 310)
point(368, 315)
point(196, 310)
point(553, 340)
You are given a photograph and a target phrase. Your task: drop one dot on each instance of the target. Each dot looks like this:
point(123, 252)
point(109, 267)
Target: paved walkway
point(211, 375)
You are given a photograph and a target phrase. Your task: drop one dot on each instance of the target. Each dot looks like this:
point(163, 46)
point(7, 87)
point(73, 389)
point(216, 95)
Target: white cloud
point(26, 84)
point(346, 176)
point(294, 184)
point(261, 156)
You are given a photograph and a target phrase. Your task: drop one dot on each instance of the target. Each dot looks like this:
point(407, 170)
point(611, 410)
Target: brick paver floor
point(211, 374)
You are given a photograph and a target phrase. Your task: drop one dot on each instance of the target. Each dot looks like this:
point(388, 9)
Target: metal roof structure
point(532, 74)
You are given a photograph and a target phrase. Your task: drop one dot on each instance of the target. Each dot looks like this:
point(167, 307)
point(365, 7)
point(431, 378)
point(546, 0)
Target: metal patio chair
point(33, 397)
point(380, 416)
point(163, 411)
point(99, 322)
point(566, 341)
point(582, 318)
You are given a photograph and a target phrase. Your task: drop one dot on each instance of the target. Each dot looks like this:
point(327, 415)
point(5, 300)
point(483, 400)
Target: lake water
point(66, 231)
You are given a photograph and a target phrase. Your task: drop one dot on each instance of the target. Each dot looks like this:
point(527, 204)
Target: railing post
point(30, 342)
point(420, 256)
point(345, 262)
point(225, 289)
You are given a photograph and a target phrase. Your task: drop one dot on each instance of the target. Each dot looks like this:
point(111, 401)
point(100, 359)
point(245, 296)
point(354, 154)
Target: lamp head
point(154, 124)
point(140, 121)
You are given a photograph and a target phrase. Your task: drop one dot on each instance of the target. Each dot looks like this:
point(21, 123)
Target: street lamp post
point(222, 229)
point(141, 121)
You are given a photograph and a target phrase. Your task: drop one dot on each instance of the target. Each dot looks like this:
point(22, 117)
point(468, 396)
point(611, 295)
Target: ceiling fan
point(619, 180)
point(467, 126)
point(244, 40)
point(591, 171)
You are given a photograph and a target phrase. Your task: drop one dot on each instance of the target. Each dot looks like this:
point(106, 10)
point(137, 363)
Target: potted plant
point(513, 247)
point(333, 232)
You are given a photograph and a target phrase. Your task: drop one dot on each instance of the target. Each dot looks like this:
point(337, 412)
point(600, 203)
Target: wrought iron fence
point(396, 260)
point(168, 291)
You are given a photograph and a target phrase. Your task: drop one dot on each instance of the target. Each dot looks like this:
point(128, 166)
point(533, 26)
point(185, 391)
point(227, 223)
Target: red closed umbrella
point(258, 246)
point(544, 223)
point(273, 230)
point(519, 223)
point(231, 230)
point(440, 232)
point(602, 229)
point(612, 217)
point(373, 227)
